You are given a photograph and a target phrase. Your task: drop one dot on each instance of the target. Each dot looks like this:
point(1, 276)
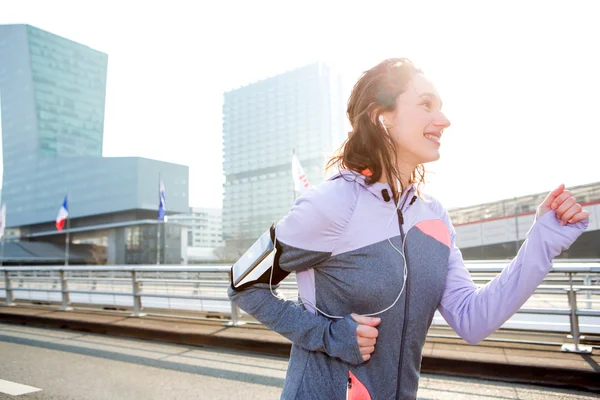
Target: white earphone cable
point(405, 275)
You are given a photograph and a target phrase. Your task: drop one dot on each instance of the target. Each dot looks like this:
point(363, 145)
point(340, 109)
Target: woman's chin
point(430, 156)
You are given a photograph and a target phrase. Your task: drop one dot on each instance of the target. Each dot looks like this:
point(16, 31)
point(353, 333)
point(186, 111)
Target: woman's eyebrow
point(432, 95)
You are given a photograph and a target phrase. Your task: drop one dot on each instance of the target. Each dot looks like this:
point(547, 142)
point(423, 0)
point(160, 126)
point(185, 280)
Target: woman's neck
point(405, 174)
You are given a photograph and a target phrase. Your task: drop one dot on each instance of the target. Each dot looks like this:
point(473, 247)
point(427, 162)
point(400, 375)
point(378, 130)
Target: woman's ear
point(376, 116)
point(381, 122)
point(378, 119)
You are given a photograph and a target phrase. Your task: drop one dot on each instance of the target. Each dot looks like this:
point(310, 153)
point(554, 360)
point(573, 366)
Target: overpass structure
point(496, 230)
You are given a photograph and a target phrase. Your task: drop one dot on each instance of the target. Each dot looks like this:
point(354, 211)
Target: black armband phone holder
point(259, 264)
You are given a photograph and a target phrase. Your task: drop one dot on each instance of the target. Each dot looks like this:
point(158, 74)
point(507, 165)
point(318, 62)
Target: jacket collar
point(376, 188)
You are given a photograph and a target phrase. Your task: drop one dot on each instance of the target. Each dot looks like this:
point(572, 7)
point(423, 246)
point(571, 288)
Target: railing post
point(235, 316)
point(64, 289)
point(137, 296)
point(587, 281)
point(8, 290)
point(574, 347)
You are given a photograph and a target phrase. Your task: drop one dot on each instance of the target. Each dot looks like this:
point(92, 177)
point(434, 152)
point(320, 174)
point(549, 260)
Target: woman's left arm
point(474, 313)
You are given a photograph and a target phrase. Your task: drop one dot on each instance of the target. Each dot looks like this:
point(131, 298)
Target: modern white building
point(263, 124)
point(205, 233)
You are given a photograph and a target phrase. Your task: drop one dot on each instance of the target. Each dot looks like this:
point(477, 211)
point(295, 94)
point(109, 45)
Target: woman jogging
point(375, 257)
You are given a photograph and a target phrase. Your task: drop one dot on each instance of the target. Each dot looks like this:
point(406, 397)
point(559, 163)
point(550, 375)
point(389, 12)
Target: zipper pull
point(400, 217)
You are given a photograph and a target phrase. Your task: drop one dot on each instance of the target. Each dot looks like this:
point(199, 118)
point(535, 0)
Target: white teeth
point(437, 139)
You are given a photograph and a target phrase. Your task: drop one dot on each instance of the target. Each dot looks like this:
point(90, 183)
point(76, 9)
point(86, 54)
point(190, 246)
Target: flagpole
point(67, 241)
point(158, 227)
point(2, 251)
point(68, 234)
point(158, 242)
point(293, 183)
point(2, 231)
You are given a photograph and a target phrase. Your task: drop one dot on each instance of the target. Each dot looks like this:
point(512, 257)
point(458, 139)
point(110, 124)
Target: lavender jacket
point(335, 238)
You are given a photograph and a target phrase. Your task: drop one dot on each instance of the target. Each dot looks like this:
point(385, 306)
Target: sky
point(520, 80)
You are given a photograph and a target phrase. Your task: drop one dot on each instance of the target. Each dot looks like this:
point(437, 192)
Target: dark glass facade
point(52, 98)
point(141, 240)
point(69, 82)
point(52, 94)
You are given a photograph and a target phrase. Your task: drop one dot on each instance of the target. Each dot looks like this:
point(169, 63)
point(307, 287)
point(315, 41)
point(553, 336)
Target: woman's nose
point(442, 121)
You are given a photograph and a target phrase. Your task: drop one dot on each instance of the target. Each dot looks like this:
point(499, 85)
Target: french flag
point(63, 213)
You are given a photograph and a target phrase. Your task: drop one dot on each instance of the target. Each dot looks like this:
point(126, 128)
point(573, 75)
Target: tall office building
point(52, 96)
point(52, 93)
point(263, 123)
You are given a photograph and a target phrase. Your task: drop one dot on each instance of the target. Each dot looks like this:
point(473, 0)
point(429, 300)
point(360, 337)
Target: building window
point(133, 238)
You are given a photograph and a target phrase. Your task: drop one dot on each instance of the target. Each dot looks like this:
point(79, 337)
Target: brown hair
point(368, 146)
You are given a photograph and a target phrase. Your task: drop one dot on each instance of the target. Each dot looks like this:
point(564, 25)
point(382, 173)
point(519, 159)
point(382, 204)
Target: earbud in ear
point(382, 120)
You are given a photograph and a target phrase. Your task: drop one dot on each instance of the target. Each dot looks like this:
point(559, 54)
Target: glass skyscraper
point(52, 94)
point(263, 123)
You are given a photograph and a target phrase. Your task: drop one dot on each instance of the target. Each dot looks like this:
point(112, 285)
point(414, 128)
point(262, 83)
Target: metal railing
point(128, 285)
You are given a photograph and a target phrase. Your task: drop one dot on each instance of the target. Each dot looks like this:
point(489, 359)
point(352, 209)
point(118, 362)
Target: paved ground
point(257, 337)
point(71, 365)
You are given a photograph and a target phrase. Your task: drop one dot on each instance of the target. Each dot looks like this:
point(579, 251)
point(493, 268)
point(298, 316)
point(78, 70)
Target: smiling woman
point(397, 115)
point(375, 258)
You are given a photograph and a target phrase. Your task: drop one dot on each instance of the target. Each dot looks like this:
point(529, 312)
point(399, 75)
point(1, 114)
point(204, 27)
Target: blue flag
point(162, 210)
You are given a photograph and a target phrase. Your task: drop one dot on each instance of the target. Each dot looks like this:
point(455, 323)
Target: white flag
point(298, 175)
point(2, 219)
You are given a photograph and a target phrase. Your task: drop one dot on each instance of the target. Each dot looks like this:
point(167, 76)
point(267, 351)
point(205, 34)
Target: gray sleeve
point(305, 329)
point(307, 236)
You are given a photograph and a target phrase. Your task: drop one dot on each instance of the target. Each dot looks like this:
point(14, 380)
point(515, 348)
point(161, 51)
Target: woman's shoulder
point(438, 209)
point(436, 206)
point(334, 199)
point(321, 213)
point(341, 189)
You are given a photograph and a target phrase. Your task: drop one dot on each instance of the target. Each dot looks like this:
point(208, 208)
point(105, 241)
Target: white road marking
point(16, 389)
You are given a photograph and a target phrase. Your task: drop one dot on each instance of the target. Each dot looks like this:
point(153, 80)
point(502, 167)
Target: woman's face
point(417, 124)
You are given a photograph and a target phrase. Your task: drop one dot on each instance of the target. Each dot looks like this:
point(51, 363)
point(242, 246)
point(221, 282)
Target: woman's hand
point(567, 209)
point(366, 334)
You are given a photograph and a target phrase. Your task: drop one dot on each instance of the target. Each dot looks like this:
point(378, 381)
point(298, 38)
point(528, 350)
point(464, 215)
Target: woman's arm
point(474, 313)
point(307, 330)
point(306, 237)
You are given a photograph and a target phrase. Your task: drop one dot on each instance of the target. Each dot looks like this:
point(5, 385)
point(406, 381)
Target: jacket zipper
point(355, 389)
point(348, 388)
point(406, 298)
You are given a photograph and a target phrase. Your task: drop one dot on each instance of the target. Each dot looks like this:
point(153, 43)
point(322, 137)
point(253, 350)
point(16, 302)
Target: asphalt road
point(70, 365)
